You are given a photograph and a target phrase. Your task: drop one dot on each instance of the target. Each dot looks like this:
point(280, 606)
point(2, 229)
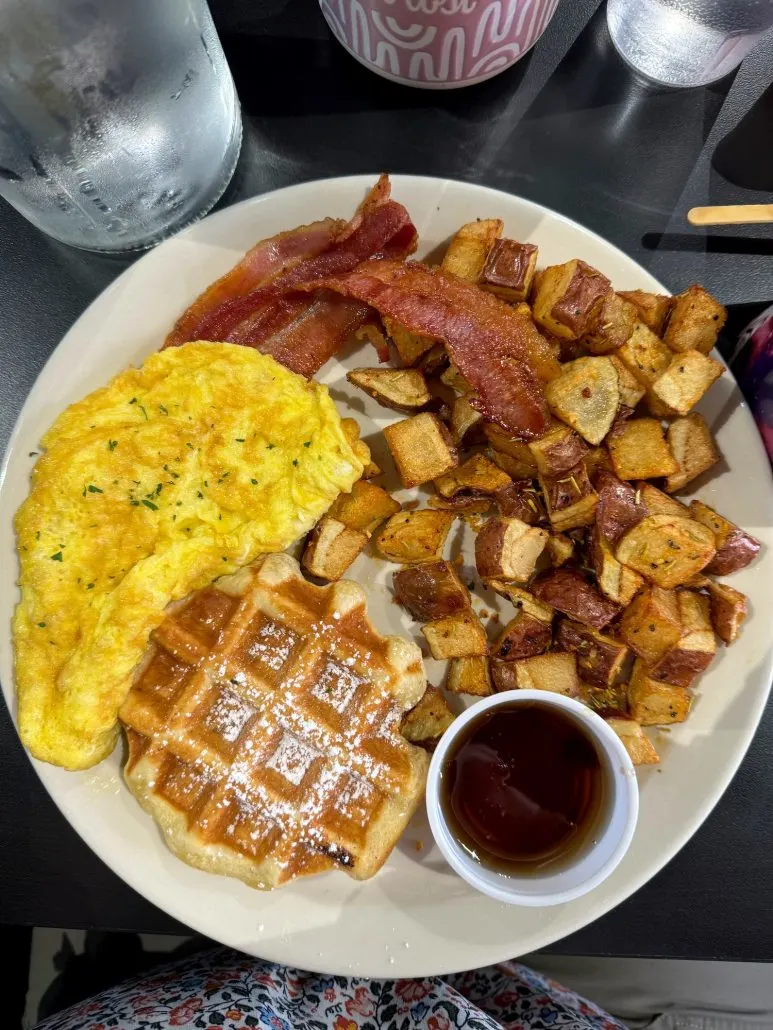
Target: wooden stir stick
point(730, 214)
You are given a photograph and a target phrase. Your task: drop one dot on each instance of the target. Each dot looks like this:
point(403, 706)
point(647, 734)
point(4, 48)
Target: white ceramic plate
point(416, 917)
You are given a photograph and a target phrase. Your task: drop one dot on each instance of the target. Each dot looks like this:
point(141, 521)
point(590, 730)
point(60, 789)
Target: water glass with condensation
point(687, 42)
point(119, 120)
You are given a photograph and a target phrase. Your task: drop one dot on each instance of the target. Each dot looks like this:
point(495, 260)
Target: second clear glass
point(119, 122)
point(687, 42)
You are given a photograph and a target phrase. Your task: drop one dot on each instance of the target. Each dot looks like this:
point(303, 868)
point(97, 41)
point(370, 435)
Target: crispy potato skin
point(600, 658)
point(523, 637)
point(431, 590)
point(619, 509)
point(569, 592)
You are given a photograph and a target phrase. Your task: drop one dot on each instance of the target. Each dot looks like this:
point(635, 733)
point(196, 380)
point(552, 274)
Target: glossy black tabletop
point(570, 127)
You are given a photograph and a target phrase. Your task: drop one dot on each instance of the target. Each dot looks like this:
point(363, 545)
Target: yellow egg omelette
point(171, 475)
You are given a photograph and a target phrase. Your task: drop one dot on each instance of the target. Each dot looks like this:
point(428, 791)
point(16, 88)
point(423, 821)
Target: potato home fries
point(272, 732)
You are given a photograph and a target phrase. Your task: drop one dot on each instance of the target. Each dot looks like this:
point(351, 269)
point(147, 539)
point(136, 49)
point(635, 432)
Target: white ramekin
point(590, 866)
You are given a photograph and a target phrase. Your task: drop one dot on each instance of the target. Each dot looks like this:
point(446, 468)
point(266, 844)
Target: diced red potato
point(508, 549)
point(521, 500)
point(735, 548)
point(523, 637)
point(600, 658)
point(431, 591)
point(729, 609)
point(569, 592)
point(619, 506)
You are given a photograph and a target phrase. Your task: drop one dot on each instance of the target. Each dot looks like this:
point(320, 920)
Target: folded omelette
point(171, 475)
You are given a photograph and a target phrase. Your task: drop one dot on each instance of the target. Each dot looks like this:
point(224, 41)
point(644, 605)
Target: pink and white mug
point(438, 44)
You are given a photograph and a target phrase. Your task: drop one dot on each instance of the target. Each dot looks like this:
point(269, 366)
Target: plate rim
point(275, 949)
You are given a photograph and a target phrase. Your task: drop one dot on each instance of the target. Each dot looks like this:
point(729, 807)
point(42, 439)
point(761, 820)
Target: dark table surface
point(570, 127)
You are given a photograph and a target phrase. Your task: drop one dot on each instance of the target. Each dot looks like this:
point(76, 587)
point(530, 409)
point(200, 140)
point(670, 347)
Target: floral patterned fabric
point(224, 990)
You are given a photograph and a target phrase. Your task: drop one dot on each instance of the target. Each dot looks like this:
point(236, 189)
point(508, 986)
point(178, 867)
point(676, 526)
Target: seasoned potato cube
point(735, 547)
point(651, 624)
point(523, 464)
point(463, 505)
point(597, 459)
point(431, 590)
point(503, 675)
point(522, 637)
point(652, 308)
point(570, 499)
point(456, 636)
point(644, 355)
point(605, 701)
point(559, 450)
point(729, 609)
point(402, 389)
point(685, 381)
point(600, 658)
point(427, 721)
point(331, 548)
point(508, 549)
point(615, 581)
point(635, 740)
point(514, 467)
point(696, 321)
point(433, 361)
point(371, 470)
point(556, 672)
point(469, 676)
point(616, 322)
point(653, 703)
point(639, 451)
point(568, 299)
point(463, 418)
point(523, 600)
point(521, 500)
point(631, 389)
point(560, 549)
point(569, 592)
point(476, 475)
point(696, 647)
point(422, 448)
point(453, 378)
point(619, 507)
point(409, 346)
point(412, 537)
point(365, 508)
point(586, 396)
point(693, 448)
point(666, 549)
point(509, 270)
point(468, 250)
point(656, 502)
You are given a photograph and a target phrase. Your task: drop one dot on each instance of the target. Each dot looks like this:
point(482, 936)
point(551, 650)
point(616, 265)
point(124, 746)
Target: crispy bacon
point(266, 259)
point(273, 317)
point(316, 333)
point(495, 348)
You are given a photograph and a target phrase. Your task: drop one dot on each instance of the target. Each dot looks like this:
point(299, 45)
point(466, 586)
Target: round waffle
point(264, 729)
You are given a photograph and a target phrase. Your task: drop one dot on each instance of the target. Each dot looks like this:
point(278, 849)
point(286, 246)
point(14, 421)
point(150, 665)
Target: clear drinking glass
point(119, 120)
point(687, 42)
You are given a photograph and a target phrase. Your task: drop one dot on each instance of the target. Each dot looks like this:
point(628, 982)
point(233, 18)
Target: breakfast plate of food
point(328, 468)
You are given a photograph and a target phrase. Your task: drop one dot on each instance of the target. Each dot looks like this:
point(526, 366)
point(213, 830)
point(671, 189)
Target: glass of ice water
point(687, 42)
point(119, 121)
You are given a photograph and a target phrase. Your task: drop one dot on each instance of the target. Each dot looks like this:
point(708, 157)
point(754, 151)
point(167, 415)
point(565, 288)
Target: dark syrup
point(523, 788)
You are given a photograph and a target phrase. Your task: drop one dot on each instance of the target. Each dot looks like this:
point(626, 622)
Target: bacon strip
point(496, 349)
point(316, 333)
point(271, 315)
point(266, 259)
